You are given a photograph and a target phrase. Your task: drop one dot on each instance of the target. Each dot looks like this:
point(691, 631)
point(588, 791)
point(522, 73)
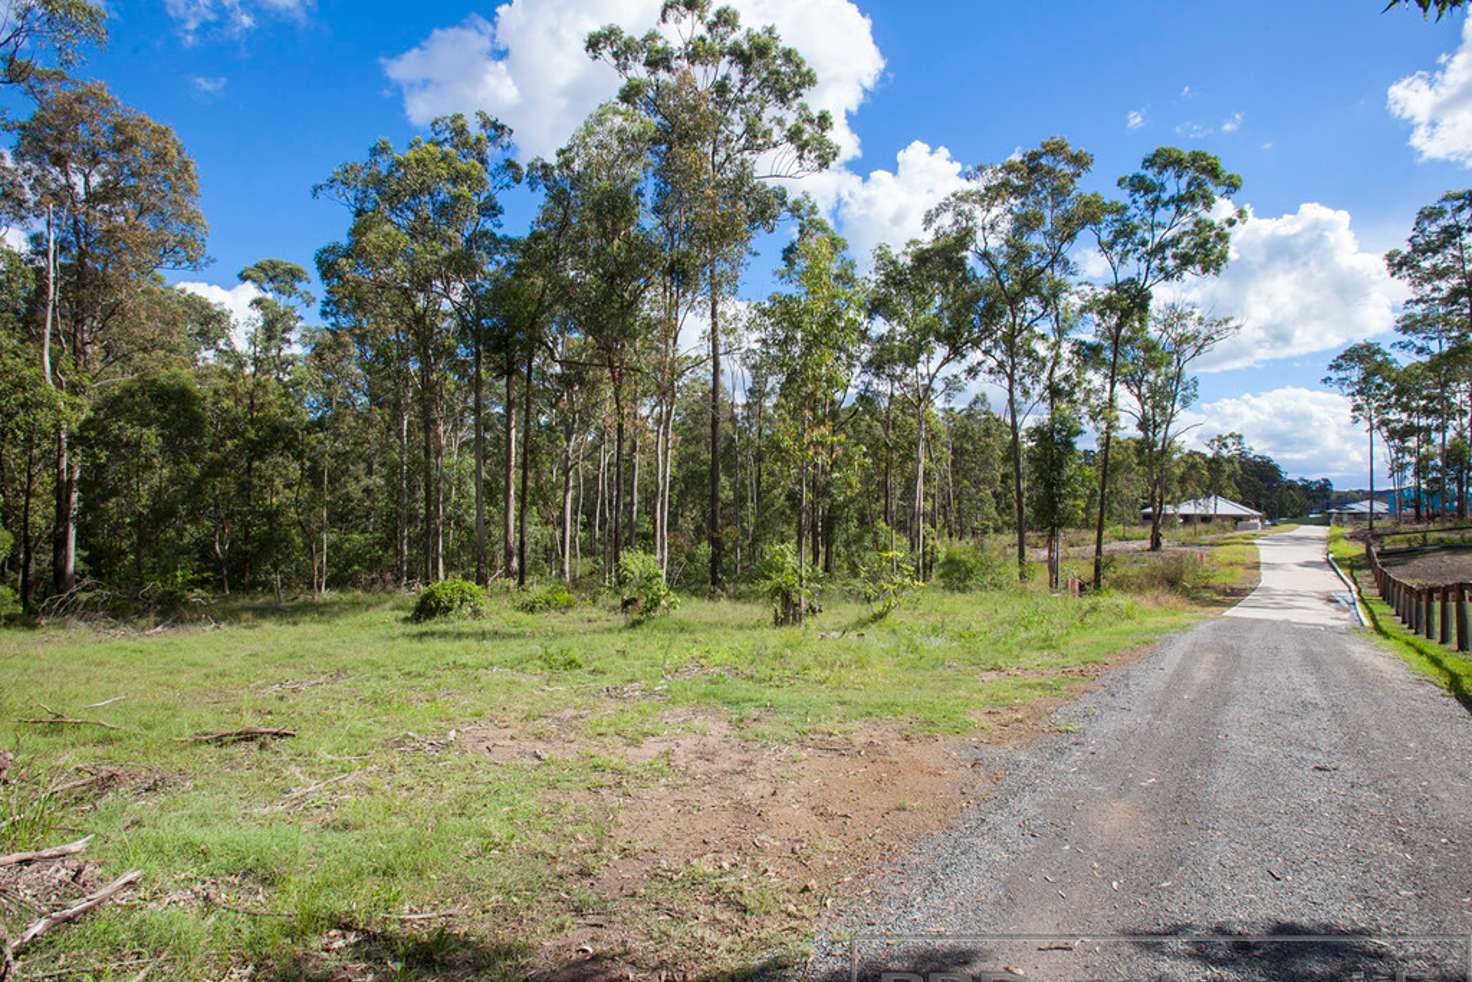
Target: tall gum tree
point(731, 120)
point(1018, 220)
point(1165, 229)
point(121, 198)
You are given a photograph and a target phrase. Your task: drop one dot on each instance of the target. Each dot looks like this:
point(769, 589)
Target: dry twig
point(41, 855)
point(238, 736)
point(89, 902)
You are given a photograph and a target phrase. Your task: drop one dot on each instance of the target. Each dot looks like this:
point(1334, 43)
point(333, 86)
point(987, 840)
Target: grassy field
point(1443, 666)
point(487, 798)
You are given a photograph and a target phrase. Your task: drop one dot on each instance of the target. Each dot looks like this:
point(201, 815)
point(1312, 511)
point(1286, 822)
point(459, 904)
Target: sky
point(1342, 121)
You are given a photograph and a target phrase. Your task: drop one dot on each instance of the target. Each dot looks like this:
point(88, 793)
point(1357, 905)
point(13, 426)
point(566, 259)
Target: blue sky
point(269, 95)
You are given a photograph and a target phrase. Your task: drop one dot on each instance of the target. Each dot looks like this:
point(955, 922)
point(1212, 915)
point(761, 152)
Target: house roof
point(1362, 508)
point(1214, 505)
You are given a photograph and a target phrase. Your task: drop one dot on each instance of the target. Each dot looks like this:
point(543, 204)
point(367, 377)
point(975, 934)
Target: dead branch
point(105, 702)
point(55, 852)
point(431, 915)
point(89, 902)
point(238, 736)
point(56, 717)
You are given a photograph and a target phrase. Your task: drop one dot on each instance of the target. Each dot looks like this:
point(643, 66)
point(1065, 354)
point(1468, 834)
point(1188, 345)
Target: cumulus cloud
point(1438, 105)
point(209, 85)
point(1298, 283)
point(888, 206)
point(1233, 122)
point(527, 65)
point(232, 16)
point(1307, 431)
point(235, 299)
point(1134, 119)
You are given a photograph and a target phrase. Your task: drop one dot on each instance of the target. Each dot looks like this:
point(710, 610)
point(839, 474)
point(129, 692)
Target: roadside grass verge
point(475, 770)
point(1444, 667)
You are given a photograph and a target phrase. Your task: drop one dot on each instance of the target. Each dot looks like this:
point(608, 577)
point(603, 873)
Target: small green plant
point(9, 605)
point(449, 598)
point(780, 584)
point(888, 579)
point(553, 599)
point(968, 566)
point(642, 588)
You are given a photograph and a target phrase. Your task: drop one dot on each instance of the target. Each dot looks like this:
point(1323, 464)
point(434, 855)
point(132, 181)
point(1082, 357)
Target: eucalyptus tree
point(1157, 376)
point(1170, 224)
point(421, 221)
point(40, 40)
point(1363, 372)
point(925, 299)
point(814, 339)
point(612, 262)
point(1019, 220)
point(730, 119)
point(121, 199)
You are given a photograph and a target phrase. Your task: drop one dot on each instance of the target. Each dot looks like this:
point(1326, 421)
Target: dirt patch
point(745, 843)
point(1433, 567)
point(28, 890)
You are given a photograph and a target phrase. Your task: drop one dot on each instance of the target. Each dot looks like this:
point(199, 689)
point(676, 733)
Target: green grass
point(510, 845)
point(1444, 667)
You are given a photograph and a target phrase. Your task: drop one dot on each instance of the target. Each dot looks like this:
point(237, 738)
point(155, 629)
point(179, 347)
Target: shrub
point(642, 588)
point(1171, 572)
point(779, 582)
point(9, 605)
point(449, 598)
point(553, 599)
point(889, 580)
point(968, 566)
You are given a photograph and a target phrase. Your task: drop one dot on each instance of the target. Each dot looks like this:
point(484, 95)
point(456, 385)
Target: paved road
point(1272, 772)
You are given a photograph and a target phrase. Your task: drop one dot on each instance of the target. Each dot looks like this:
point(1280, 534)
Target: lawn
point(520, 792)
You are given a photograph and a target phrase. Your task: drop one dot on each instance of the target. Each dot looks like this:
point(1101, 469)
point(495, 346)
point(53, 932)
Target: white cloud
point(527, 65)
point(1439, 105)
point(17, 239)
point(1134, 119)
point(1233, 123)
point(210, 85)
point(1298, 283)
point(236, 300)
point(1186, 92)
point(232, 16)
point(1193, 131)
point(1307, 431)
point(888, 206)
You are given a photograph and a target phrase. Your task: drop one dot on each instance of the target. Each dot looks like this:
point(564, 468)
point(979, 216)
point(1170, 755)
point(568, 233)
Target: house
point(1210, 510)
point(1357, 511)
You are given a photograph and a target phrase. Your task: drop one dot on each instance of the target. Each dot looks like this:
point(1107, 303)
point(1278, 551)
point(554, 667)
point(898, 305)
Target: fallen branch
point(432, 915)
point(89, 902)
point(56, 717)
point(105, 702)
point(239, 736)
point(41, 855)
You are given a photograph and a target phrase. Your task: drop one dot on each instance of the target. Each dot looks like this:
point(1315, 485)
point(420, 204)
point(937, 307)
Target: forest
point(468, 400)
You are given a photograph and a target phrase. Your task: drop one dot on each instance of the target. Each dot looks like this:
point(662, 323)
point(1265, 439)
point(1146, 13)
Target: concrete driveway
point(1298, 585)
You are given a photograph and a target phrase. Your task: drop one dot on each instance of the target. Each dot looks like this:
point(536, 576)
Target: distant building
point(1212, 509)
point(1357, 511)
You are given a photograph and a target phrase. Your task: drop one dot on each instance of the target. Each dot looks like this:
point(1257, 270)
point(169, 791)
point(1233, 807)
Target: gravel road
point(1270, 773)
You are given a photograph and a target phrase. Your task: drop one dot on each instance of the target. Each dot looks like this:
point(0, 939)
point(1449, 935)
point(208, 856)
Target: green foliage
point(779, 579)
point(449, 598)
point(888, 579)
point(553, 599)
point(642, 588)
point(968, 566)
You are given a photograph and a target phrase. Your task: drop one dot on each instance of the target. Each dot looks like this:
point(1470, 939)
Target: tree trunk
point(1019, 507)
point(401, 533)
point(567, 513)
point(714, 505)
point(508, 514)
point(482, 567)
point(27, 550)
point(1104, 457)
point(526, 464)
point(618, 471)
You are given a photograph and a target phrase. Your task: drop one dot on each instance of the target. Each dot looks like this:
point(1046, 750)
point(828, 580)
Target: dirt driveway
point(1271, 775)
